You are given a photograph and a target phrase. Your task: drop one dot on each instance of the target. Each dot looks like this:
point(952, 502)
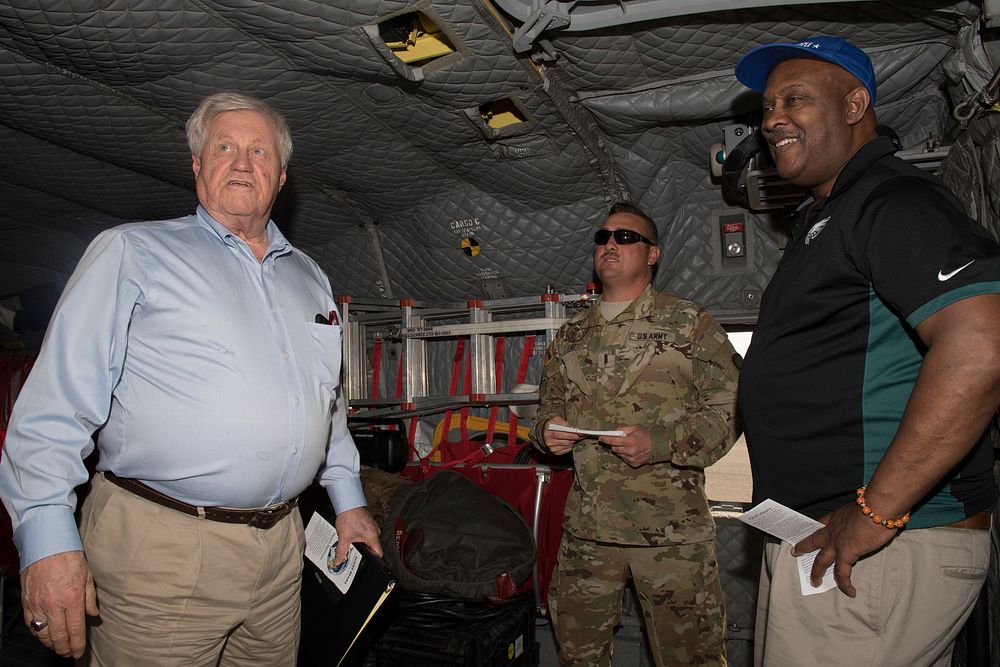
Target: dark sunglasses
point(622, 237)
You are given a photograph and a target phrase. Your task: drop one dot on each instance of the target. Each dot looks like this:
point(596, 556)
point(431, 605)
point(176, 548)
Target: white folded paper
point(321, 544)
point(582, 431)
point(792, 527)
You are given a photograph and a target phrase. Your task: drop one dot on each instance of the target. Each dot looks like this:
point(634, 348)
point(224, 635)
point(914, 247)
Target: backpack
point(448, 536)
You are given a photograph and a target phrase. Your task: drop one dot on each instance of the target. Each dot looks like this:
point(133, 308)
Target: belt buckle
point(266, 518)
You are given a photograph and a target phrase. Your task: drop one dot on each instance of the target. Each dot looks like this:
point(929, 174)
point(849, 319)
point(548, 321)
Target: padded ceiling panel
point(393, 167)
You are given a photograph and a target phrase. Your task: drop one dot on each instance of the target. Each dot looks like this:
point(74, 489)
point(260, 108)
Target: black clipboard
point(354, 609)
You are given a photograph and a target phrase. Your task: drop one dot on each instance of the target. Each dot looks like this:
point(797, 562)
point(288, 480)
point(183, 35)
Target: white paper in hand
point(582, 431)
point(321, 544)
point(791, 527)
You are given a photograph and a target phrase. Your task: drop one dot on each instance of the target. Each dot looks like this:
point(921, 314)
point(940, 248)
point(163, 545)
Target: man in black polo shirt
point(873, 373)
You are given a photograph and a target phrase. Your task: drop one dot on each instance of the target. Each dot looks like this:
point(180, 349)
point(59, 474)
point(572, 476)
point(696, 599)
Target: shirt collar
point(858, 165)
point(861, 162)
point(276, 241)
point(641, 306)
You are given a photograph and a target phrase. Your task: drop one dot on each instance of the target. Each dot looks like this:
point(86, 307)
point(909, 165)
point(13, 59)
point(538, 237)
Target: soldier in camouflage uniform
point(662, 371)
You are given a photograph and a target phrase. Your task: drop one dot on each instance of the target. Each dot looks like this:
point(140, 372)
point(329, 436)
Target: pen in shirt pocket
point(331, 319)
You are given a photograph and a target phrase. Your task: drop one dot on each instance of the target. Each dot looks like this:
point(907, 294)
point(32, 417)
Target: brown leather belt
point(979, 521)
point(264, 517)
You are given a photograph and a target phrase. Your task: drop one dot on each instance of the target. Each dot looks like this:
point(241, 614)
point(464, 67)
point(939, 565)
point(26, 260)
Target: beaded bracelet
point(878, 518)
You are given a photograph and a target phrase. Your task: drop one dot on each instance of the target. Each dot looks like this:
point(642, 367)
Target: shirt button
point(284, 354)
point(296, 402)
point(274, 311)
point(295, 451)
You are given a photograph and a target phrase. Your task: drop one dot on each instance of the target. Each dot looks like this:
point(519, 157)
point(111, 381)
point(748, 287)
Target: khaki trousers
point(913, 597)
point(175, 590)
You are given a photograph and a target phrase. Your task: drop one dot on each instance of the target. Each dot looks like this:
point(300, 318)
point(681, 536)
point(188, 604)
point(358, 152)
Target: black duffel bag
point(446, 535)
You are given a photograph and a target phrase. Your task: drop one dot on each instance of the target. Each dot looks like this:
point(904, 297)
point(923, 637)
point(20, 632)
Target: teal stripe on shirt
point(892, 362)
point(948, 298)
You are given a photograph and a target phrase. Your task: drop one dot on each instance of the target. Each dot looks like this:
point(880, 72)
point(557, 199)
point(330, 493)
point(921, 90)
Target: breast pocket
point(328, 349)
point(575, 364)
point(669, 362)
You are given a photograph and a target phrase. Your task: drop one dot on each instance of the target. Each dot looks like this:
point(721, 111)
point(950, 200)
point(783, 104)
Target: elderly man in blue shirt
point(207, 351)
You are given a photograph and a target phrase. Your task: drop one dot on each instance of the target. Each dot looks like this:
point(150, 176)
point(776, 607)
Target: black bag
point(446, 535)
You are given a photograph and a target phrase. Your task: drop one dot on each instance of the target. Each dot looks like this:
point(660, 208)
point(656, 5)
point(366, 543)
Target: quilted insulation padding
point(391, 171)
point(972, 171)
point(112, 86)
point(739, 548)
point(633, 54)
point(659, 132)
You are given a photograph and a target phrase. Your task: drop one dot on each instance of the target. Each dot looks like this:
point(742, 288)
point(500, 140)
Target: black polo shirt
point(834, 355)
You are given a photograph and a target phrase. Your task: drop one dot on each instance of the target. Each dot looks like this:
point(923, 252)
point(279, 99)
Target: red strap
point(376, 366)
point(412, 435)
point(473, 457)
point(526, 352)
point(498, 383)
point(522, 373)
point(466, 388)
point(456, 375)
point(399, 377)
point(376, 371)
point(412, 431)
point(470, 459)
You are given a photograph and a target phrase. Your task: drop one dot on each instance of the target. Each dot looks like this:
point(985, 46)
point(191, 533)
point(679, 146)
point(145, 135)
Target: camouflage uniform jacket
point(663, 364)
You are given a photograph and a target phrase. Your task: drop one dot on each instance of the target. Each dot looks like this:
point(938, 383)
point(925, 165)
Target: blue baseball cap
point(755, 65)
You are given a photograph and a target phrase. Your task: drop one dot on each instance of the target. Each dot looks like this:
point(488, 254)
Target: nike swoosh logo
point(948, 276)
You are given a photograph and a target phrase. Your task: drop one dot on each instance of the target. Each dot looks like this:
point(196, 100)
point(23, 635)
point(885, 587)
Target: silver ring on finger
point(38, 626)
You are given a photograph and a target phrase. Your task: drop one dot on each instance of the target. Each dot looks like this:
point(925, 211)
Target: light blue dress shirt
point(205, 370)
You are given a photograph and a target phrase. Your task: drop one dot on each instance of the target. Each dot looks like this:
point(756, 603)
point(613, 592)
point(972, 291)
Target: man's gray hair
point(220, 103)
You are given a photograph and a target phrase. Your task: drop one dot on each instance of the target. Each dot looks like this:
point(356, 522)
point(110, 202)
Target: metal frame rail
point(412, 325)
